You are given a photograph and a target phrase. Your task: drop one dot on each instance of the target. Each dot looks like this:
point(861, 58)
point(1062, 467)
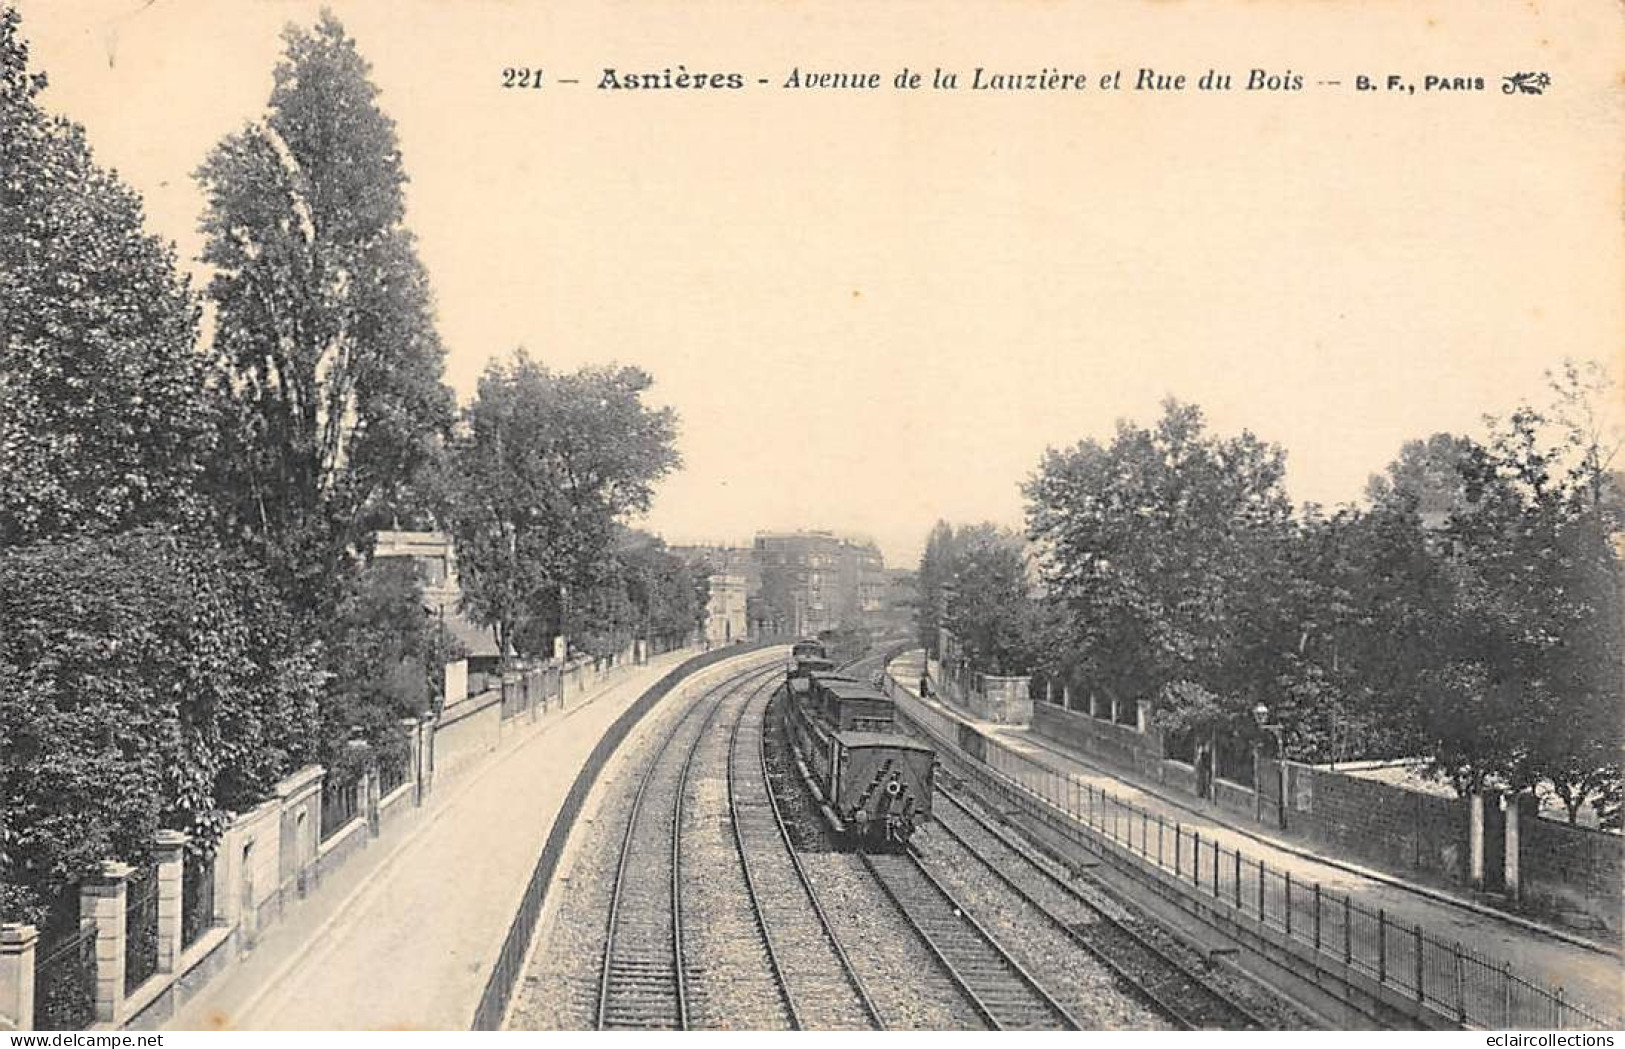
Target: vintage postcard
point(1051, 514)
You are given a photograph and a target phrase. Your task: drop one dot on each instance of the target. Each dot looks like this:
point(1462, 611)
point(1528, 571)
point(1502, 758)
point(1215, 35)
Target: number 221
point(512, 77)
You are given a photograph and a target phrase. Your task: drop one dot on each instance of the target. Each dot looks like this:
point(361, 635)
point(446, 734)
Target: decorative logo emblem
point(1526, 84)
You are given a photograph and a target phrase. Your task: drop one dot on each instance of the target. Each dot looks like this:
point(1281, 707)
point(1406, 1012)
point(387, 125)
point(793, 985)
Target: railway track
point(1165, 982)
point(642, 978)
point(821, 988)
point(1002, 992)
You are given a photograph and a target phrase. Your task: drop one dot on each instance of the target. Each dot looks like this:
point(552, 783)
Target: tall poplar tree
point(324, 319)
point(147, 678)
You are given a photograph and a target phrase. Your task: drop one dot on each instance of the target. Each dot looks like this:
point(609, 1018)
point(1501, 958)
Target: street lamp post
point(1261, 714)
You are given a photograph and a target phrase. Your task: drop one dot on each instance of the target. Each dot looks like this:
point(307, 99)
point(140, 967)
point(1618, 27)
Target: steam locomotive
point(873, 782)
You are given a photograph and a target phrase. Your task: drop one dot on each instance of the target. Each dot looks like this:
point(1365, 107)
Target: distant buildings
point(725, 614)
point(794, 583)
point(814, 581)
point(734, 579)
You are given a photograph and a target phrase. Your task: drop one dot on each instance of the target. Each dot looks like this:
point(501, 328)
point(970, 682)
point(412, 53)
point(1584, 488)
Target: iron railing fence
point(513, 696)
point(393, 771)
point(341, 802)
point(1454, 982)
point(65, 979)
point(140, 927)
point(197, 897)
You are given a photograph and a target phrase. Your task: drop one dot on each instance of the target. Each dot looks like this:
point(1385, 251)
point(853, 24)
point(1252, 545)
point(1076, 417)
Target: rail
point(1449, 982)
point(511, 956)
point(1004, 993)
point(1110, 941)
point(752, 887)
point(654, 984)
point(768, 820)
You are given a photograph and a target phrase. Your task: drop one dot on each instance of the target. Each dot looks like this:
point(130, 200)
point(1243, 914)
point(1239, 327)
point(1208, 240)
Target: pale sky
point(875, 309)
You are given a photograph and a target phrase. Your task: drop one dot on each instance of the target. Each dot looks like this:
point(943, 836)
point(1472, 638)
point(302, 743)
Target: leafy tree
point(1429, 477)
point(773, 607)
point(323, 320)
point(934, 582)
point(105, 425)
point(667, 594)
point(548, 465)
point(382, 646)
point(992, 609)
point(1163, 548)
point(642, 590)
point(1369, 598)
point(145, 680)
point(1540, 619)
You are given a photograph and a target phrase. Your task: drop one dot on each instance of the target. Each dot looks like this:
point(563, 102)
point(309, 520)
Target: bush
point(146, 680)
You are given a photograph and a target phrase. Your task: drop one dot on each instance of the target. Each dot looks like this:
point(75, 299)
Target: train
point(873, 782)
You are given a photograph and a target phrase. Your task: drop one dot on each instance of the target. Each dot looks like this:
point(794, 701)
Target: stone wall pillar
point(1066, 696)
point(299, 833)
point(512, 682)
point(412, 728)
point(456, 682)
point(169, 849)
point(17, 943)
point(371, 783)
point(1115, 706)
point(1094, 704)
point(1258, 790)
point(1142, 716)
point(227, 858)
point(1512, 804)
point(101, 903)
point(1475, 840)
point(366, 786)
point(429, 721)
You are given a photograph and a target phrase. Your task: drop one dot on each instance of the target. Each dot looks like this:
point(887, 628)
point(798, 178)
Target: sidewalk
point(404, 934)
point(1586, 974)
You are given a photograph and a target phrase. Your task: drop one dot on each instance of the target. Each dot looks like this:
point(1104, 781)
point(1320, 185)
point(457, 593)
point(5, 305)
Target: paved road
point(1586, 976)
point(404, 934)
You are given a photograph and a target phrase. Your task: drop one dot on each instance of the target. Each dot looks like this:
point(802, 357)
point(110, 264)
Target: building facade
point(437, 566)
point(725, 618)
point(814, 581)
point(734, 579)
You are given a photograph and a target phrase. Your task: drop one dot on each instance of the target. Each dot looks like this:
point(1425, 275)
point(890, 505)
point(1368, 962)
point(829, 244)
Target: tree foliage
point(105, 425)
point(1472, 613)
point(640, 590)
point(545, 468)
point(145, 681)
point(934, 582)
point(981, 591)
point(324, 320)
point(1164, 548)
point(1428, 477)
point(1539, 624)
point(383, 649)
